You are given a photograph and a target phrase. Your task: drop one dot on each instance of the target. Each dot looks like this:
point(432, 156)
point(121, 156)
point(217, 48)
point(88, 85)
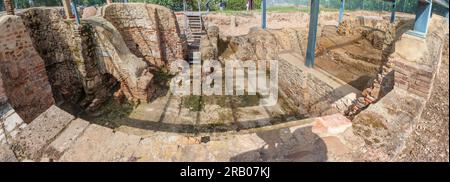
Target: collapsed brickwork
point(384, 81)
point(23, 72)
point(10, 121)
point(150, 31)
point(88, 60)
point(311, 91)
point(136, 82)
point(261, 44)
point(386, 124)
point(209, 48)
point(99, 58)
point(68, 53)
point(52, 37)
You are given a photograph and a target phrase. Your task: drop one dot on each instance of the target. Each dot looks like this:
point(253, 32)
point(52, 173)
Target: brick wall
point(150, 31)
point(312, 92)
point(416, 69)
point(3, 97)
point(24, 77)
point(70, 58)
point(116, 59)
point(53, 38)
point(415, 79)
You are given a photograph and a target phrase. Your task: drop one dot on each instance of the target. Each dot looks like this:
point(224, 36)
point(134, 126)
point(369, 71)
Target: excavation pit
point(99, 90)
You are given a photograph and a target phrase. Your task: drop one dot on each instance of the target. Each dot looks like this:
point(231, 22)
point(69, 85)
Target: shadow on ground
point(282, 145)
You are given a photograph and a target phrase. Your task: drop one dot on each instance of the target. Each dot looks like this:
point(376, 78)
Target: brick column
point(67, 9)
point(9, 7)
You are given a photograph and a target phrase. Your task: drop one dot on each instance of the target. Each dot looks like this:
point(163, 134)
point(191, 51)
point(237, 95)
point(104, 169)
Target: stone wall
point(312, 91)
point(415, 69)
point(10, 121)
point(262, 44)
point(69, 53)
point(23, 72)
point(116, 59)
point(54, 38)
point(386, 124)
point(150, 31)
point(384, 81)
point(86, 61)
point(3, 97)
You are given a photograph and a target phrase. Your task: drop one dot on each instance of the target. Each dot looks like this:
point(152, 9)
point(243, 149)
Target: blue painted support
point(394, 9)
point(312, 35)
point(423, 14)
point(263, 16)
point(73, 4)
point(341, 12)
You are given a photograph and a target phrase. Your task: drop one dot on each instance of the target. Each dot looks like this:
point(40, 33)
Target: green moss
point(162, 77)
point(193, 102)
point(224, 116)
point(114, 112)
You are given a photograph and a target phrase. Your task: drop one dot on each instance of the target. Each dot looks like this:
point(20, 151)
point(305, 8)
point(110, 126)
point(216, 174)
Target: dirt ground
point(429, 140)
point(241, 23)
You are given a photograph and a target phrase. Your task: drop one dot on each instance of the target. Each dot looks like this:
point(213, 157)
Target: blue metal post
point(394, 9)
point(341, 12)
point(423, 14)
point(263, 16)
point(446, 15)
point(312, 35)
point(73, 4)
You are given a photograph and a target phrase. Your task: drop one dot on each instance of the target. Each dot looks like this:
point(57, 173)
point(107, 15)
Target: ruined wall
point(386, 124)
point(76, 70)
point(150, 31)
point(262, 44)
point(69, 51)
point(312, 92)
point(10, 121)
point(116, 59)
point(23, 71)
point(415, 69)
point(383, 83)
point(85, 62)
point(53, 39)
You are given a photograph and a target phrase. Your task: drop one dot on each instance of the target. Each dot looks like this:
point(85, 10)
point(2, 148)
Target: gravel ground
point(429, 141)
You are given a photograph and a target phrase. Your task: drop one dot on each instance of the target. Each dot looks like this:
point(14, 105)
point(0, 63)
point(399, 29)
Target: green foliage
point(236, 5)
point(408, 6)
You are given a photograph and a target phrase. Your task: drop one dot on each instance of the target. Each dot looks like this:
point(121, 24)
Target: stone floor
point(73, 139)
point(170, 113)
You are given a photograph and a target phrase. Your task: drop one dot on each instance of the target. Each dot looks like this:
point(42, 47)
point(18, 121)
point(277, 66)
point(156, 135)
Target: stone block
point(66, 138)
point(99, 143)
point(332, 124)
point(11, 122)
point(6, 154)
